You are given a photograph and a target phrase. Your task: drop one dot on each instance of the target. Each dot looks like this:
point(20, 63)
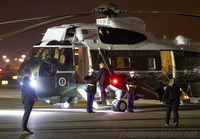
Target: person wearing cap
point(91, 90)
point(103, 77)
point(28, 99)
point(131, 87)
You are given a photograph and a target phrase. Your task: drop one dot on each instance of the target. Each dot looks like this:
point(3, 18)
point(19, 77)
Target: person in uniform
point(28, 99)
point(172, 99)
point(131, 86)
point(103, 77)
point(91, 90)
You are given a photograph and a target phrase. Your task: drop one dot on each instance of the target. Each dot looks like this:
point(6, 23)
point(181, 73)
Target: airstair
point(97, 102)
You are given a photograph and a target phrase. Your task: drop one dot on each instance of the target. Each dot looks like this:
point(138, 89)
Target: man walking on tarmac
point(131, 86)
point(172, 99)
point(103, 77)
point(91, 90)
point(28, 99)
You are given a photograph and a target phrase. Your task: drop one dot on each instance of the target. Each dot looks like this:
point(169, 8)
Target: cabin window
point(120, 36)
point(96, 59)
point(65, 59)
point(123, 62)
point(140, 63)
point(152, 63)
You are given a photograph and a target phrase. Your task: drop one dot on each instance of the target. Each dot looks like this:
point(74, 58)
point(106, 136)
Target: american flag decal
point(90, 34)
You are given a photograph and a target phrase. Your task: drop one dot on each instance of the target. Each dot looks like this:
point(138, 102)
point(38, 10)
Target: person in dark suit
point(131, 86)
point(172, 99)
point(103, 77)
point(28, 99)
point(91, 90)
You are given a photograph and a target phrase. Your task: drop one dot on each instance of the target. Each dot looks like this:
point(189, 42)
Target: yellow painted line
point(80, 104)
point(50, 106)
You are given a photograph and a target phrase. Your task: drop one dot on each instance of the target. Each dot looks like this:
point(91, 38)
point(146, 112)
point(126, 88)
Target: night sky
point(158, 25)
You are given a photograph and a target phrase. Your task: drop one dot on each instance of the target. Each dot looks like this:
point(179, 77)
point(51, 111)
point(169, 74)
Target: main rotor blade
point(165, 12)
point(30, 19)
point(29, 28)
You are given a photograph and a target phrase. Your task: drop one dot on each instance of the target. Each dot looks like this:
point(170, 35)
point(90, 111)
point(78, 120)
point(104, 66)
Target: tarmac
point(48, 122)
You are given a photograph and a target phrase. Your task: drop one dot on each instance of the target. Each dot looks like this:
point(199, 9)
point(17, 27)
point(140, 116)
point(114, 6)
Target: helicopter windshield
point(46, 54)
point(31, 53)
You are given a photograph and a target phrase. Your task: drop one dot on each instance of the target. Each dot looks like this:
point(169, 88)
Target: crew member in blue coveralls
point(131, 86)
point(91, 90)
point(28, 99)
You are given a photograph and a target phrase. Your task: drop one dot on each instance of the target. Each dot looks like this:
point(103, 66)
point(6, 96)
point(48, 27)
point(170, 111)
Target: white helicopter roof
point(92, 40)
point(129, 23)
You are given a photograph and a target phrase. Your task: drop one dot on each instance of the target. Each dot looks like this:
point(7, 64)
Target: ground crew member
point(172, 99)
point(28, 99)
point(131, 86)
point(103, 77)
point(91, 90)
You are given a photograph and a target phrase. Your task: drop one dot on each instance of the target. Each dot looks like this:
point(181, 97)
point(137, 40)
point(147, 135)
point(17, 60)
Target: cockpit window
point(38, 52)
point(46, 53)
point(31, 53)
point(120, 36)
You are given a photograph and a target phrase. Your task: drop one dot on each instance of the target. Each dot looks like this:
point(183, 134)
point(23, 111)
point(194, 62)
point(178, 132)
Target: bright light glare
point(4, 82)
point(11, 112)
point(4, 56)
point(21, 60)
point(23, 56)
point(14, 77)
point(185, 97)
point(7, 60)
point(34, 83)
point(21, 112)
point(115, 81)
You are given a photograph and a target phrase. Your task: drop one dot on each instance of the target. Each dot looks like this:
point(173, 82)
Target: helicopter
point(67, 52)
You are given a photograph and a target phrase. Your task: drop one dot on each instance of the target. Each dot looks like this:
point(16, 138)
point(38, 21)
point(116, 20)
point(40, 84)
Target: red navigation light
point(114, 81)
point(1, 69)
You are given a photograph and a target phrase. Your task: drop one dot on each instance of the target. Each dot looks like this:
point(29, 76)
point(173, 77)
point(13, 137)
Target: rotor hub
point(108, 10)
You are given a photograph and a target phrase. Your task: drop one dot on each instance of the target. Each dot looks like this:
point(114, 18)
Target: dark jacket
point(28, 92)
point(172, 95)
point(91, 81)
point(131, 82)
point(103, 77)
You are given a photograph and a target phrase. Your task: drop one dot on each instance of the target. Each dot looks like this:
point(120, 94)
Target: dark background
point(158, 25)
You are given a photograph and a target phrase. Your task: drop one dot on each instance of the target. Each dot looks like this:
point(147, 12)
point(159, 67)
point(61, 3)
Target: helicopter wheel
point(119, 105)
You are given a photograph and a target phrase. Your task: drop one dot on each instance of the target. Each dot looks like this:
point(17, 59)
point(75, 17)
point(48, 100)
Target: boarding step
point(96, 103)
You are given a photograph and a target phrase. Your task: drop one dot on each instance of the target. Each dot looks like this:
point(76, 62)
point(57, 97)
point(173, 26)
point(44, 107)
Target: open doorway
point(168, 64)
point(82, 63)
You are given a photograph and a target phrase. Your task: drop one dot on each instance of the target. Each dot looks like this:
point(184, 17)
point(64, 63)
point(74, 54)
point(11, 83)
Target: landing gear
point(119, 105)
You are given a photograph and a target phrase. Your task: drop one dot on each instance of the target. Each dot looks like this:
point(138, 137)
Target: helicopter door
point(168, 64)
point(82, 63)
point(66, 69)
